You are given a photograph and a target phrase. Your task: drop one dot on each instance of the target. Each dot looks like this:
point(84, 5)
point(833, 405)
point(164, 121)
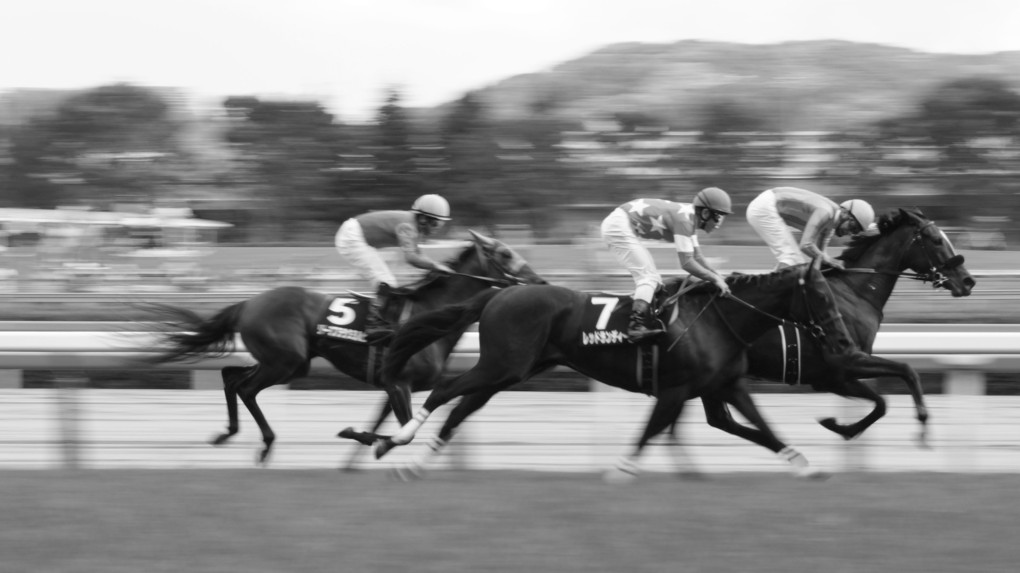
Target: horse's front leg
point(856, 389)
point(397, 402)
point(868, 366)
point(468, 405)
point(364, 438)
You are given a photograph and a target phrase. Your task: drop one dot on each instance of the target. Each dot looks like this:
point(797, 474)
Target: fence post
point(67, 386)
point(967, 385)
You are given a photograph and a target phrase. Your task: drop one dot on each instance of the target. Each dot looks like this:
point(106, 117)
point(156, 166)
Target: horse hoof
point(616, 476)
point(262, 458)
point(219, 439)
point(382, 447)
point(407, 473)
point(813, 474)
point(835, 427)
point(363, 438)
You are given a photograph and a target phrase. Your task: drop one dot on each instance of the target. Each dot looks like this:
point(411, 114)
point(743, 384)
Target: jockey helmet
point(432, 206)
point(861, 211)
point(715, 199)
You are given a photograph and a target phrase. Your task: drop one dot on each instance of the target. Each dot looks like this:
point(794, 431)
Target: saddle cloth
point(344, 318)
point(605, 319)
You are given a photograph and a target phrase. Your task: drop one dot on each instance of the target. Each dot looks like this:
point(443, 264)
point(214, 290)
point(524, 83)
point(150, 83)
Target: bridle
point(509, 277)
point(934, 274)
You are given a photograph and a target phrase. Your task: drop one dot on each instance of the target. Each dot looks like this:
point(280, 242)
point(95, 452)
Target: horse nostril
point(969, 283)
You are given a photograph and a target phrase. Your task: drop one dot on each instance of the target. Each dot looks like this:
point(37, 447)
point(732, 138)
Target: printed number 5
point(609, 303)
point(344, 314)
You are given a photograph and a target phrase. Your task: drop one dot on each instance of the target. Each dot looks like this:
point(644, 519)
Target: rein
point(495, 282)
point(811, 327)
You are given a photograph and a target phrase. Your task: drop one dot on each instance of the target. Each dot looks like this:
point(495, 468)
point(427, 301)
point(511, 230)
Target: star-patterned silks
point(638, 206)
point(658, 225)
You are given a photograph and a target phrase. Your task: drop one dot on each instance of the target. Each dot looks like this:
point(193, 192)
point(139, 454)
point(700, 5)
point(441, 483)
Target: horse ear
point(479, 238)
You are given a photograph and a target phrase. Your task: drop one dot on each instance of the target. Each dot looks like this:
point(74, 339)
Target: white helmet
point(432, 206)
point(861, 211)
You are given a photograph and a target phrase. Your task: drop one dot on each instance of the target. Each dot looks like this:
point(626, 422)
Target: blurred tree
point(473, 183)
point(394, 131)
point(956, 113)
point(289, 148)
point(108, 144)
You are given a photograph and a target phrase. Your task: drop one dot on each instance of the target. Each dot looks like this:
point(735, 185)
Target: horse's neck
point(887, 261)
point(769, 304)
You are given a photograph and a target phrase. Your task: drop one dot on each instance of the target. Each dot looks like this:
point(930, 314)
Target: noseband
point(934, 273)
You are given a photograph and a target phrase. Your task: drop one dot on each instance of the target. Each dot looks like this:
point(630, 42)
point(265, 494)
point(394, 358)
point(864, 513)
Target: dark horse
point(526, 330)
point(284, 328)
point(905, 239)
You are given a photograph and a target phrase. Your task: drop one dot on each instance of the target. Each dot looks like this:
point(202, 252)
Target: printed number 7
point(609, 303)
point(345, 314)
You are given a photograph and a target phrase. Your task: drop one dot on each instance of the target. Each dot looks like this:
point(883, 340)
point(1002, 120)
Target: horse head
point(494, 259)
point(906, 239)
point(931, 255)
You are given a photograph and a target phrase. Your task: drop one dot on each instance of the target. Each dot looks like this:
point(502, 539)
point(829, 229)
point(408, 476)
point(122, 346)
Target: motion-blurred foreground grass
point(294, 521)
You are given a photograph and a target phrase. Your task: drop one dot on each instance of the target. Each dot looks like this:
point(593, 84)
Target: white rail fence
point(578, 431)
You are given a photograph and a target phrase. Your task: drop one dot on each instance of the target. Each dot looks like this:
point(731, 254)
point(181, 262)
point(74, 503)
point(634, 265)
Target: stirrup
point(643, 333)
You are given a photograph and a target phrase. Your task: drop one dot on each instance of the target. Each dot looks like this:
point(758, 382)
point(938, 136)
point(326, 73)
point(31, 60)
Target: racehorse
point(526, 330)
point(905, 239)
point(284, 328)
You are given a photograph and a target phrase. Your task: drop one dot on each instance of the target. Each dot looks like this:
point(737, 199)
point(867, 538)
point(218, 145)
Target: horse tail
point(423, 329)
point(189, 337)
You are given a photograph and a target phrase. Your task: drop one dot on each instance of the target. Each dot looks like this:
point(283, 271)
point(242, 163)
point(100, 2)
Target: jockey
point(777, 212)
point(661, 220)
point(359, 237)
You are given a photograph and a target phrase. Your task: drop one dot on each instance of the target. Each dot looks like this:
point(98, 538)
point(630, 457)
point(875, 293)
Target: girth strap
point(648, 367)
point(789, 337)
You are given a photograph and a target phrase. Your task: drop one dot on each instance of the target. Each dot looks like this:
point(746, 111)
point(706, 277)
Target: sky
point(348, 53)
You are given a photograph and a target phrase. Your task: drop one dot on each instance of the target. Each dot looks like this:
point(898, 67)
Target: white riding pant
point(627, 248)
point(350, 243)
point(764, 218)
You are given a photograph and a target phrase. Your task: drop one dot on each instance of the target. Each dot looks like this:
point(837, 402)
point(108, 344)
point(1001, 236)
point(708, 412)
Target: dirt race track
point(256, 521)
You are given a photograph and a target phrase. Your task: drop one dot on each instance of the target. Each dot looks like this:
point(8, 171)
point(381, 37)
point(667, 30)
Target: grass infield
point(296, 521)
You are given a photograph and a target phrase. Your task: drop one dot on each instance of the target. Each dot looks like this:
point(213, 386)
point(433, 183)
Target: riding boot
point(377, 328)
point(640, 321)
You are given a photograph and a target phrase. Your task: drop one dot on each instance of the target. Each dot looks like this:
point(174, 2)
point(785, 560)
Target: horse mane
point(455, 262)
point(887, 224)
point(742, 281)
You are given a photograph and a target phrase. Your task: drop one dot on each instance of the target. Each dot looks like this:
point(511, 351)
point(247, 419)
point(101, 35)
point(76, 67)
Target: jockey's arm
point(407, 237)
point(695, 264)
point(816, 236)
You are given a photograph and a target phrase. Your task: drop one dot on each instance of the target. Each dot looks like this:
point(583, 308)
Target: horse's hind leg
point(668, 406)
point(264, 377)
point(232, 377)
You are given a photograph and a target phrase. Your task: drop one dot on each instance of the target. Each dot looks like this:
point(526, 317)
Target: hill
point(814, 85)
